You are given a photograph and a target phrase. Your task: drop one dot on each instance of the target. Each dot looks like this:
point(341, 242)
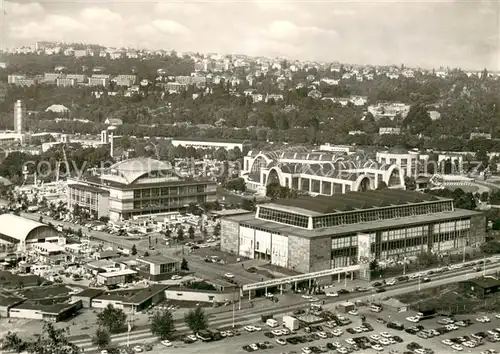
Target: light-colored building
point(309, 234)
point(125, 80)
point(389, 131)
point(209, 144)
point(411, 163)
point(91, 199)
point(12, 79)
point(24, 232)
point(158, 267)
point(66, 82)
point(19, 116)
point(147, 186)
point(317, 172)
point(57, 108)
point(122, 276)
point(99, 80)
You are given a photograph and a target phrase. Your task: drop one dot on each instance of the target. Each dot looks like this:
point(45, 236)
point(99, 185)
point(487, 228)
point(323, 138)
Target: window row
point(156, 192)
point(284, 217)
point(381, 214)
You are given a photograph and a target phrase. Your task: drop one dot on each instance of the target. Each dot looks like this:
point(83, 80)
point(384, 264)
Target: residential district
point(134, 222)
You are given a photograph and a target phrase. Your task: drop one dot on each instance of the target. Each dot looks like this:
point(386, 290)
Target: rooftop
point(315, 206)
point(484, 282)
point(249, 219)
point(134, 296)
point(90, 292)
point(18, 227)
point(118, 273)
point(84, 187)
point(158, 259)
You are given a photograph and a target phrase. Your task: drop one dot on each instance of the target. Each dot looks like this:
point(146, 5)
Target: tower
point(19, 113)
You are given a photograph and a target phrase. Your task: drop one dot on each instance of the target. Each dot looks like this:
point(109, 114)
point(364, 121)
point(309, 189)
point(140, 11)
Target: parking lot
point(346, 333)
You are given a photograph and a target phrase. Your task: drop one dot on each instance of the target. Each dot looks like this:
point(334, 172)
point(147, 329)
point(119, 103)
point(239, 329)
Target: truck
point(291, 323)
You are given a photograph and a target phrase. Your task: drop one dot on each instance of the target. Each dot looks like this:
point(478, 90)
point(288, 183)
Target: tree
point(180, 234)
point(162, 324)
point(112, 318)
point(191, 232)
point(184, 264)
point(101, 338)
point(51, 341)
point(133, 251)
point(196, 320)
point(146, 254)
point(13, 342)
point(237, 184)
point(410, 183)
point(381, 186)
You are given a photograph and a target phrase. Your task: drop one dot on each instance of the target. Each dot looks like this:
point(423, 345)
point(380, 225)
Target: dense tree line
point(466, 104)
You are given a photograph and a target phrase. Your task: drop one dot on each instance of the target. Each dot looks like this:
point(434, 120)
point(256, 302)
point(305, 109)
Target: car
point(380, 290)
point(193, 337)
point(313, 299)
point(104, 351)
point(342, 350)
point(138, 349)
point(393, 351)
point(375, 337)
point(350, 341)
point(306, 350)
point(229, 333)
point(457, 347)
point(385, 335)
point(377, 284)
point(281, 341)
point(229, 275)
point(497, 315)
point(277, 332)
point(353, 312)
point(307, 297)
point(447, 342)
point(391, 282)
point(257, 328)
point(249, 329)
point(413, 319)
point(254, 346)
point(166, 343)
point(322, 335)
point(483, 319)
point(332, 294)
point(378, 347)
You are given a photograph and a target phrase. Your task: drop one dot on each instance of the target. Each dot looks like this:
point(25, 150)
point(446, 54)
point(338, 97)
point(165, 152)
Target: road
point(252, 316)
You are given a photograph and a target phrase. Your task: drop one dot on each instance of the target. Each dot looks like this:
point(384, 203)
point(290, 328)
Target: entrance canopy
point(301, 277)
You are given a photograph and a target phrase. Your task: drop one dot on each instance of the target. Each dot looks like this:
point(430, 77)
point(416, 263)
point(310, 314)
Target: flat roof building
point(480, 287)
point(157, 267)
point(309, 234)
point(146, 186)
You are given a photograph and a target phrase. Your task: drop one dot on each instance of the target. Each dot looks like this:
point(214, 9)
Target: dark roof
point(90, 292)
point(10, 301)
point(84, 187)
point(54, 308)
point(133, 296)
point(357, 200)
point(484, 283)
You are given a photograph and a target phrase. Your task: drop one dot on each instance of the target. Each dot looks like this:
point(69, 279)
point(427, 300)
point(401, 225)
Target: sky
point(424, 33)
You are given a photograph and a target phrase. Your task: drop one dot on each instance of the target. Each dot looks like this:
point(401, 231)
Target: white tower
point(19, 113)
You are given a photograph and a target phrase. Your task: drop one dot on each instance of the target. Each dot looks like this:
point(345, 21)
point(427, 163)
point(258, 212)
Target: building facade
point(91, 199)
point(19, 115)
point(324, 173)
point(309, 234)
point(146, 186)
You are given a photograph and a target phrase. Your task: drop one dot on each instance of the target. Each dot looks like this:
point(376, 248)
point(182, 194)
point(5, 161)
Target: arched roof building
point(22, 231)
point(319, 172)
